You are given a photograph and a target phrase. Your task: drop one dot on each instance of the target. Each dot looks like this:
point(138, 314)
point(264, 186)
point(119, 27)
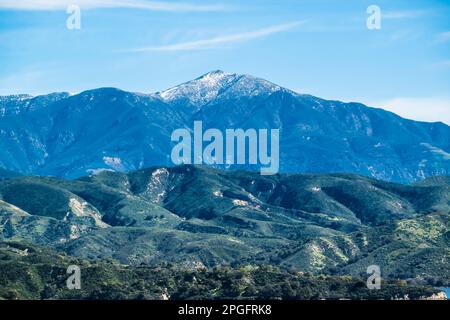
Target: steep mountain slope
point(85, 132)
point(195, 216)
point(73, 135)
point(411, 248)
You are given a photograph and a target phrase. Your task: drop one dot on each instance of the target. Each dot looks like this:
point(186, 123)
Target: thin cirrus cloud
point(443, 36)
point(217, 42)
point(402, 14)
point(441, 64)
point(48, 5)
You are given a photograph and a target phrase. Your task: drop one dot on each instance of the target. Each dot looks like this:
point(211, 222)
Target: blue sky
point(320, 47)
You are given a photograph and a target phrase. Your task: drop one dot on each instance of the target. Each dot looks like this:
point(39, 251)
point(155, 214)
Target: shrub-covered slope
point(327, 223)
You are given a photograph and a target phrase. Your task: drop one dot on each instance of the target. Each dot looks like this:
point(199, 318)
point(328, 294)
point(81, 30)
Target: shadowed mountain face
point(199, 216)
point(72, 136)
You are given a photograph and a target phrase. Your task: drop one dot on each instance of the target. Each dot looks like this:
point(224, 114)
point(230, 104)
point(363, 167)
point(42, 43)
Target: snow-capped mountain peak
point(211, 85)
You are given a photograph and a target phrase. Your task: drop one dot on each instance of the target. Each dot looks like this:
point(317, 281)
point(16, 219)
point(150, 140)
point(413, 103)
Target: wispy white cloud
point(219, 41)
point(402, 14)
point(441, 65)
point(46, 5)
point(443, 36)
point(429, 109)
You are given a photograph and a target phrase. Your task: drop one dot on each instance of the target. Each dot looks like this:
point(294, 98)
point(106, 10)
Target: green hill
point(319, 223)
point(32, 272)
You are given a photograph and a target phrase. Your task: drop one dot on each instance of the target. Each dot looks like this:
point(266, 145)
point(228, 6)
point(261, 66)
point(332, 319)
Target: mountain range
point(199, 217)
point(88, 179)
point(74, 135)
